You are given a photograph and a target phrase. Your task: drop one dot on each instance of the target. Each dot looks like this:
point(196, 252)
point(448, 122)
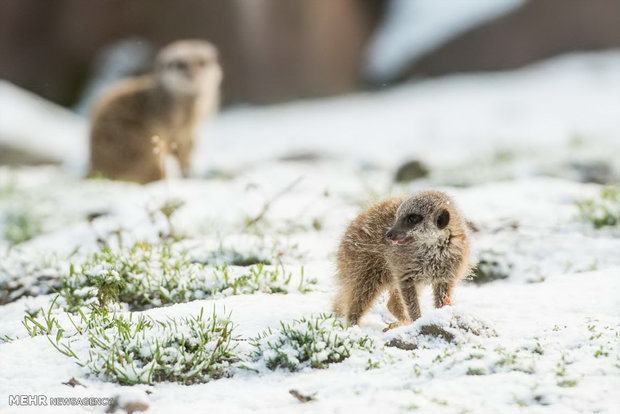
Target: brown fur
point(368, 262)
point(139, 121)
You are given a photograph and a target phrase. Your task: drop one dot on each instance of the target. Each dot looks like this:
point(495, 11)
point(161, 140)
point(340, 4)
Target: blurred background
point(272, 51)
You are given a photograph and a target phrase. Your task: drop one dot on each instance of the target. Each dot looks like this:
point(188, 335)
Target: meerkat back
point(122, 133)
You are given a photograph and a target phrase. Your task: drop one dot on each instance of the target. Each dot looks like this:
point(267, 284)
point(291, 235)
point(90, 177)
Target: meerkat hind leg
point(183, 153)
point(339, 306)
point(361, 300)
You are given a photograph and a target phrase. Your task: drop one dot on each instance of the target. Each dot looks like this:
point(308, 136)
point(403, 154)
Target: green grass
point(568, 383)
point(133, 350)
point(167, 210)
point(136, 349)
point(21, 226)
point(28, 275)
point(8, 185)
point(42, 322)
point(142, 276)
point(475, 371)
point(603, 210)
point(239, 259)
point(21, 220)
point(147, 275)
point(231, 256)
point(371, 364)
point(314, 342)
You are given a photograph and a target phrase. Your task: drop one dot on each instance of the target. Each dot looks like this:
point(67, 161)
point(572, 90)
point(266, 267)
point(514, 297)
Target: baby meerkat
point(139, 121)
point(400, 245)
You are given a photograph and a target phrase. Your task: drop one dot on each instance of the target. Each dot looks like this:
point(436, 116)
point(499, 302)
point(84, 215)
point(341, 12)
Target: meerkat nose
point(389, 234)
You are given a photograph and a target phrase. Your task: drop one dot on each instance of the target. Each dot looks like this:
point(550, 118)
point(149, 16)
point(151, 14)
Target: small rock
point(92, 216)
point(302, 156)
point(594, 171)
point(302, 397)
point(411, 170)
point(73, 383)
point(400, 344)
point(130, 402)
point(437, 332)
point(446, 324)
point(491, 266)
point(473, 227)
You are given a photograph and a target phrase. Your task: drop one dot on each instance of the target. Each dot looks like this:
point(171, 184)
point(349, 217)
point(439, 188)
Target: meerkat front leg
point(409, 294)
point(395, 306)
point(442, 292)
point(183, 152)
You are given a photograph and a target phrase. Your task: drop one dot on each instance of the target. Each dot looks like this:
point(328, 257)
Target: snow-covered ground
point(511, 148)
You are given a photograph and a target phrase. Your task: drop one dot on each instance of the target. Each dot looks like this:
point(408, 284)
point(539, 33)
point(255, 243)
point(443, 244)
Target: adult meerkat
point(139, 121)
point(400, 245)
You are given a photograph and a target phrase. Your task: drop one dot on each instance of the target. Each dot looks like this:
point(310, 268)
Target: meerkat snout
point(401, 245)
point(405, 228)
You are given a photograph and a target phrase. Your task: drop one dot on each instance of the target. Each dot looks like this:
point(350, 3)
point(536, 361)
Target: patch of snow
point(442, 121)
point(412, 28)
point(29, 122)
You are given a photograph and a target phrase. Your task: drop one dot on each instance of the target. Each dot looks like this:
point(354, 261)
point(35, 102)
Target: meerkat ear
point(443, 219)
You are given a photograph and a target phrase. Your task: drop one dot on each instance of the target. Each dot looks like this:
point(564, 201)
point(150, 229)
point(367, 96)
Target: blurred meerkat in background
point(139, 121)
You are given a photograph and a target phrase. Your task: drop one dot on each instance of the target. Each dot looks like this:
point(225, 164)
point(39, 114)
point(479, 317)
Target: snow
point(545, 339)
point(442, 121)
point(31, 123)
point(412, 28)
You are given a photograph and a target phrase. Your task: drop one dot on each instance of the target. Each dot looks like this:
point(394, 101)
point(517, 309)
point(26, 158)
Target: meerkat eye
point(443, 219)
point(414, 219)
point(178, 64)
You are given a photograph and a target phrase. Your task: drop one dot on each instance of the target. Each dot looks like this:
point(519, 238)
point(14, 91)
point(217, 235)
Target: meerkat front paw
point(392, 325)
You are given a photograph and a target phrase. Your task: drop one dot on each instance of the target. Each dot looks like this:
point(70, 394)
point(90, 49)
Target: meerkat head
point(188, 67)
point(426, 217)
